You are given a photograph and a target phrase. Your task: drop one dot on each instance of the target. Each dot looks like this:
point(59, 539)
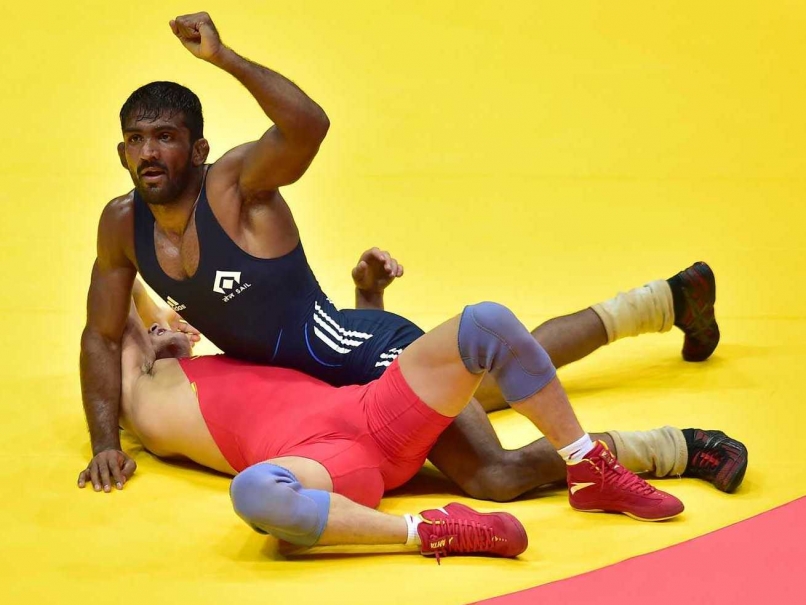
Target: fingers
point(191, 24)
point(115, 466)
point(94, 476)
point(106, 483)
point(192, 333)
point(389, 264)
point(360, 274)
point(128, 469)
point(107, 467)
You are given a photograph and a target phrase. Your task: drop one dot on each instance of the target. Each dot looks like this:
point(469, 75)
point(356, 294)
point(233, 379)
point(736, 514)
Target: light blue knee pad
point(271, 500)
point(491, 338)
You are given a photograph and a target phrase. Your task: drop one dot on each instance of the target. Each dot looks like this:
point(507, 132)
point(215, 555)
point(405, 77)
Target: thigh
point(433, 368)
point(352, 468)
point(402, 426)
point(468, 445)
point(310, 473)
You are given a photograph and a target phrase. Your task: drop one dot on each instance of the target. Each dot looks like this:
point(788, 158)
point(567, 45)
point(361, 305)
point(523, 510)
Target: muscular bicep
point(261, 167)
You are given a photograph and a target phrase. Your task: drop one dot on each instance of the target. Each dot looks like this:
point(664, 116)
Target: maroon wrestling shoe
point(599, 484)
point(694, 294)
point(458, 529)
point(716, 458)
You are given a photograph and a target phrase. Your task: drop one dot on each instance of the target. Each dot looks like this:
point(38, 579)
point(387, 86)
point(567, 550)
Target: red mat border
point(759, 560)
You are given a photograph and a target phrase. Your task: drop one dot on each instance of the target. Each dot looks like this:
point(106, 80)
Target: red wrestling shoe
point(598, 483)
point(694, 294)
point(458, 529)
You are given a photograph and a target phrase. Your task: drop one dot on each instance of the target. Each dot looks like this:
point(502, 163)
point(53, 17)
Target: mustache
point(143, 167)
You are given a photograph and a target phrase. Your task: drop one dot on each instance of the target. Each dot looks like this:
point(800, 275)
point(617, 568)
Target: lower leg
point(351, 523)
point(569, 338)
point(273, 500)
point(566, 339)
point(469, 453)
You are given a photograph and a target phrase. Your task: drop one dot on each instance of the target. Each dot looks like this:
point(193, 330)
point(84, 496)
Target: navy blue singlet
point(270, 311)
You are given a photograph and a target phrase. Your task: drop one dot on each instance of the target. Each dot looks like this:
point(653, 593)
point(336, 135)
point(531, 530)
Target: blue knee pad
point(492, 339)
point(272, 501)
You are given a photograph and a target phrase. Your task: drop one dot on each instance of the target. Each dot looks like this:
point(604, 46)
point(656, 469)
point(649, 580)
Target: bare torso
point(161, 409)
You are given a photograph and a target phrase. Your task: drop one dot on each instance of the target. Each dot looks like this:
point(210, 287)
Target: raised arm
point(284, 152)
point(376, 269)
point(108, 304)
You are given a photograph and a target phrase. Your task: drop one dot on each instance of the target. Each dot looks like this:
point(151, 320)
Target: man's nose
point(149, 149)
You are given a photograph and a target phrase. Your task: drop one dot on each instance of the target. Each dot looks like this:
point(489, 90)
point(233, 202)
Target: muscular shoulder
point(224, 177)
point(119, 212)
point(116, 228)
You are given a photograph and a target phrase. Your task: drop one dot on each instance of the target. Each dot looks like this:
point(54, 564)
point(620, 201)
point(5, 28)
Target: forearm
point(292, 111)
point(100, 389)
point(368, 300)
point(147, 309)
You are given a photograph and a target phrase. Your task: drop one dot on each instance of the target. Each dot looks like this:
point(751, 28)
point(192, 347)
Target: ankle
point(576, 451)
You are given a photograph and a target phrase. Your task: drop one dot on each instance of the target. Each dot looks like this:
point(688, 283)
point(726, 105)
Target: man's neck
point(173, 218)
point(137, 355)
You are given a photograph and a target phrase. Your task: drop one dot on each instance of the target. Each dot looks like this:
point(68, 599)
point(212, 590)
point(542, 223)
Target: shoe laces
point(703, 460)
point(460, 535)
point(620, 477)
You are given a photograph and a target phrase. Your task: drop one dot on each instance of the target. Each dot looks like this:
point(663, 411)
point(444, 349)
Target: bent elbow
point(319, 125)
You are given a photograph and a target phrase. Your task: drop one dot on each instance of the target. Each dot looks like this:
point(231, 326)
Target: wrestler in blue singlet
point(271, 311)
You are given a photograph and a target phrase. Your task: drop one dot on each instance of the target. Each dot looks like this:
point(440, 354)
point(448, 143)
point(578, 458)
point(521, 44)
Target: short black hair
point(153, 100)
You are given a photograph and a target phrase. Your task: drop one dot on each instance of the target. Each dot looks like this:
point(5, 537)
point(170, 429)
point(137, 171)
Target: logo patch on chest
point(175, 305)
point(225, 281)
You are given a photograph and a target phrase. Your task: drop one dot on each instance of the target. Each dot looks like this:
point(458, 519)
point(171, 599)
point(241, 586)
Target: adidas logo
point(175, 305)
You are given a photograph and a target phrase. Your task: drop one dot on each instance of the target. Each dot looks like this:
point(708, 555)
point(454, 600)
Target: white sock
point(577, 450)
point(642, 310)
point(412, 521)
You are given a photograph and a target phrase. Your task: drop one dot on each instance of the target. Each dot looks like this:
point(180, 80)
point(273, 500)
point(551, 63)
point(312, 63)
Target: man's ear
point(122, 156)
point(201, 149)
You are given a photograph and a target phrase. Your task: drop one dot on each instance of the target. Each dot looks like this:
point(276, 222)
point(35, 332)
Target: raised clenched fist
point(198, 34)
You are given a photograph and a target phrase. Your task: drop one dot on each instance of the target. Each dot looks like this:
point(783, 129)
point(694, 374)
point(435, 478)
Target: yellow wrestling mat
point(540, 156)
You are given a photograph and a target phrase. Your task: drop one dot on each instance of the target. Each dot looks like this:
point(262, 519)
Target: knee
point(492, 339)
point(496, 318)
point(257, 495)
point(495, 334)
point(272, 501)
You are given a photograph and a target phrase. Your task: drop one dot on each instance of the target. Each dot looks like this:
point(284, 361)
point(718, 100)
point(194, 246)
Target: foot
point(715, 457)
point(458, 529)
point(598, 483)
point(694, 294)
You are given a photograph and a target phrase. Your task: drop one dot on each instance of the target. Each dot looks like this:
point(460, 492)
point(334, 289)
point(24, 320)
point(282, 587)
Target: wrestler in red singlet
point(370, 438)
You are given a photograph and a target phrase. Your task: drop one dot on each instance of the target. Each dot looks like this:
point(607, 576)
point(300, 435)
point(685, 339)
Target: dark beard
point(167, 193)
